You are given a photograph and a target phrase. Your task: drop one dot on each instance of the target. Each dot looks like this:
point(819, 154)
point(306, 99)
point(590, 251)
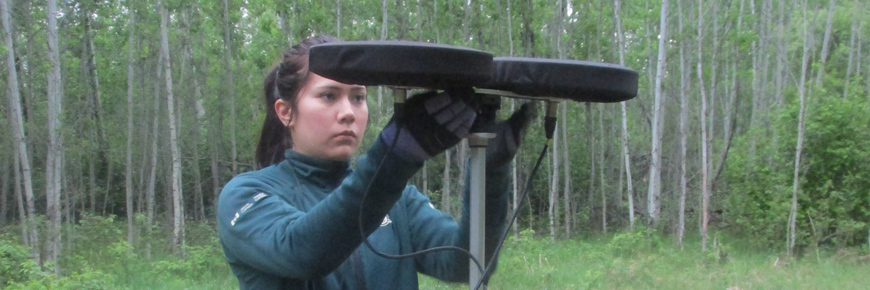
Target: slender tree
point(684, 119)
point(625, 153)
point(808, 42)
point(17, 122)
point(856, 19)
point(231, 87)
point(177, 205)
point(4, 191)
point(653, 202)
point(554, 184)
point(128, 173)
point(152, 177)
point(55, 151)
point(825, 44)
point(705, 195)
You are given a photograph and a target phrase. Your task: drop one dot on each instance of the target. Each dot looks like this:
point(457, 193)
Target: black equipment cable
point(549, 128)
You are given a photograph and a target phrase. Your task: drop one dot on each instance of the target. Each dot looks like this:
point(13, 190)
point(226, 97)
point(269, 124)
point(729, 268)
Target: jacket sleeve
point(264, 232)
point(432, 228)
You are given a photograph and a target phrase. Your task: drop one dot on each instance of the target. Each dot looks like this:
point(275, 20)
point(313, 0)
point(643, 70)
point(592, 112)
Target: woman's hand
point(430, 123)
point(509, 136)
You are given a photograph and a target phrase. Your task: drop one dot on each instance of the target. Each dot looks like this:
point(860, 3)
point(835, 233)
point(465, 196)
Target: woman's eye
point(359, 98)
point(327, 96)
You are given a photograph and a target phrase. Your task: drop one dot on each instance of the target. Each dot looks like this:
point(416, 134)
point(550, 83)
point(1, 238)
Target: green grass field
point(633, 260)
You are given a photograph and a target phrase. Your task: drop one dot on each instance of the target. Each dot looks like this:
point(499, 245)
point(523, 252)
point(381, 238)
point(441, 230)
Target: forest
point(748, 136)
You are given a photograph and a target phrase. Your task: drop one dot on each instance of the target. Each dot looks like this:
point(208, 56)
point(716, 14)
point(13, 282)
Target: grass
point(644, 262)
point(629, 260)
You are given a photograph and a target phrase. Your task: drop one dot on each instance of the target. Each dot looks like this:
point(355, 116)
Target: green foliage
point(834, 204)
point(631, 243)
point(16, 264)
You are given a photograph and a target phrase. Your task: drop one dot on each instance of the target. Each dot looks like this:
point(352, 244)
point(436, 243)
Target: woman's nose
point(346, 113)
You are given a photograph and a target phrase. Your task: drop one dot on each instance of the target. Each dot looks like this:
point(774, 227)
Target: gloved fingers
point(460, 123)
point(438, 103)
point(523, 116)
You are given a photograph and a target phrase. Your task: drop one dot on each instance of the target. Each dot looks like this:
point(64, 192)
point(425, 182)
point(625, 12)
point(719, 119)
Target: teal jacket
point(296, 224)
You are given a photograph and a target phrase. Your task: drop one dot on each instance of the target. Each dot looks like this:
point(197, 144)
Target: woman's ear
point(284, 112)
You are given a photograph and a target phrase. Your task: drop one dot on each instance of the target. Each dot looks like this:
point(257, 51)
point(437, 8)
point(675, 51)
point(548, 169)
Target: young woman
point(295, 223)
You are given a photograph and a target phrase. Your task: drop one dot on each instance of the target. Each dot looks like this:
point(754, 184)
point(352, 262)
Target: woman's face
point(330, 120)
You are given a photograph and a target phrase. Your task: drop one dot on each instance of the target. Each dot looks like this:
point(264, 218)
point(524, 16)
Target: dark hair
point(284, 81)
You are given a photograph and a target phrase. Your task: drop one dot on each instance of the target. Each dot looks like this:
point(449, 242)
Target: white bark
point(128, 175)
point(4, 193)
point(825, 44)
point(653, 203)
point(16, 122)
point(338, 19)
point(177, 205)
point(856, 18)
point(705, 195)
point(445, 187)
point(684, 119)
point(230, 85)
point(566, 185)
point(384, 19)
point(515, 181)
point(808, 42)
point(626, 156)
point(55, 147)
point(509, 27)
point(601, 169)
point(22, 214)
point(590, 139)
point(152, 177)
point(554, 183)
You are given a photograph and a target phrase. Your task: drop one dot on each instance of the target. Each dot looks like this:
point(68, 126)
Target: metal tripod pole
point(477, 212)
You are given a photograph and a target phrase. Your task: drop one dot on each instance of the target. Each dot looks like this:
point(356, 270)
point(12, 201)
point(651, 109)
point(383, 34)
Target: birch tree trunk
point(825, 44)
point(16, 122)
point(338, 19)
point(590, 141)
point(808, 42)
point(653, 203)
point(231, 87)
point(177, 205)
point(684, 119)
point(626, 156)
point(55, 147)
point(445, 187)
point(554, 184)
point(22, 214)
point(152, 178)
point(128, 175)
point(4, 192)
point(856, 18)
point(510, 35)
point(566, 186)
point(101, 145)
point(705, 195)
point(601, 169)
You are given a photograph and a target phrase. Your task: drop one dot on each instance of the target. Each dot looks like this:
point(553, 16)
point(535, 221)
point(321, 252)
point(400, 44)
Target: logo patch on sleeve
point(260, 196)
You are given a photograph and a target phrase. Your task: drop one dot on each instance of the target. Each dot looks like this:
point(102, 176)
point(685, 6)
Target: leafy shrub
point(16, 264)
point(633, 242)
point(834, 200)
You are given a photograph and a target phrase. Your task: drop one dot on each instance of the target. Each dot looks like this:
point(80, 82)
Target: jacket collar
point(321, 173)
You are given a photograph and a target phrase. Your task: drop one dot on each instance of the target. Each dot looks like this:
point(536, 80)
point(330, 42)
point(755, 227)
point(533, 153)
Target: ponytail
point(283, 81)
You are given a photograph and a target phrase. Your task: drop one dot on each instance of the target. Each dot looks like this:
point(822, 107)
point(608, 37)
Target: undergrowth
point(99, 257)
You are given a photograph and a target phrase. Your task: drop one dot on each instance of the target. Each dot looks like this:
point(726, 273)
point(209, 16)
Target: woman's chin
point(341, 153)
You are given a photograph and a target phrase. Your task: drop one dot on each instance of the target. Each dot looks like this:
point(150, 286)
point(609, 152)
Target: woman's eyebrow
point(338, 88)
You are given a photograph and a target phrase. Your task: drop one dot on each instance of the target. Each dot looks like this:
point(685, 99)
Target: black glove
point(430, 123)
point(509, 136)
